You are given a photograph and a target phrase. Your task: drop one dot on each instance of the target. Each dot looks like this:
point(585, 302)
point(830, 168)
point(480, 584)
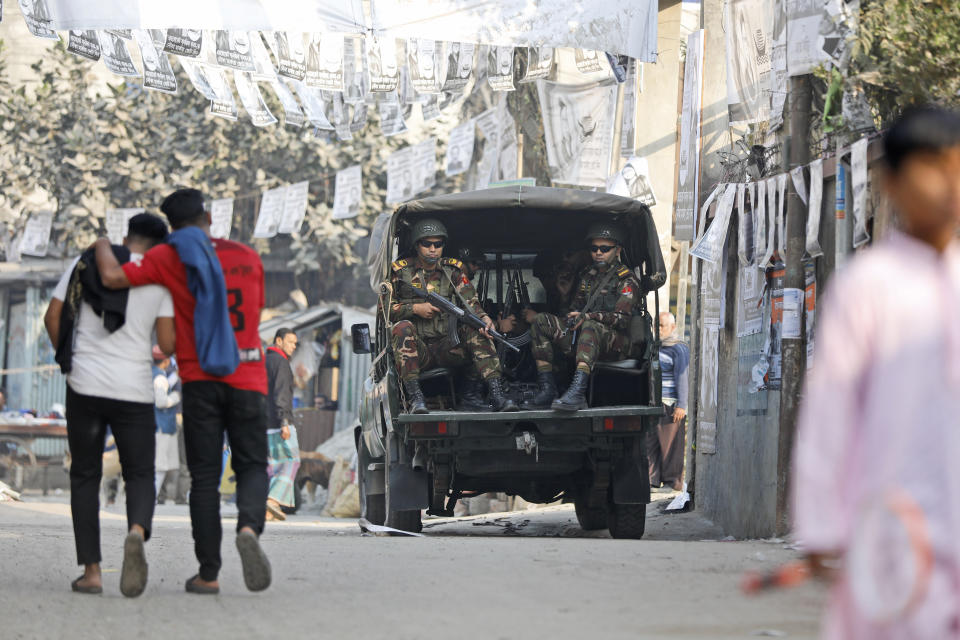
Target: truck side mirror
point(360, 335)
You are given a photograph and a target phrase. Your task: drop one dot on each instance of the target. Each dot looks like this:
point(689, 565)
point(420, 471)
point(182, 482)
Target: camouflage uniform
point(423, 343)
point(604, 334)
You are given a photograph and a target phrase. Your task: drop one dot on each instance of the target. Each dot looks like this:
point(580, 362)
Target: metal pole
point(793, 350)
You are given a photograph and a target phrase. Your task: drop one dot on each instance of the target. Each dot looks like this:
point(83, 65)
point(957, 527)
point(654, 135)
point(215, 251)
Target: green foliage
point(906, 53)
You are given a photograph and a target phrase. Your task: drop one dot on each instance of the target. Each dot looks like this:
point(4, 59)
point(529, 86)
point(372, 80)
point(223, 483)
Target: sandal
point(276, 512)
point(133, 574)
point(194, 587)
point(79, 588)
point(256, 566)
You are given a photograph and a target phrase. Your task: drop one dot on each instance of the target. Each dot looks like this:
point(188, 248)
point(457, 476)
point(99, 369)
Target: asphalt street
point(529, 574)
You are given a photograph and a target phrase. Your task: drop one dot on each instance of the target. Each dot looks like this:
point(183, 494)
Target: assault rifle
point(455, 314)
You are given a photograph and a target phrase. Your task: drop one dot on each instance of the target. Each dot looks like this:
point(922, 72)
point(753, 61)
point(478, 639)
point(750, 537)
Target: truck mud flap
point(408, 488)
point(630, 478)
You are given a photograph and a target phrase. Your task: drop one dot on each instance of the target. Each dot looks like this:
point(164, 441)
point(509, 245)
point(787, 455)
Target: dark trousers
point(665, 451)
point(133, 427)
point(210, 410)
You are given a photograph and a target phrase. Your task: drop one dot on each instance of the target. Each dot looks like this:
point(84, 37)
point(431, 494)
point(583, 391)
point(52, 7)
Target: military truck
point(593, 457)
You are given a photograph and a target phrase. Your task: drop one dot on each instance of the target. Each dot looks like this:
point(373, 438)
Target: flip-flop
point(193, 587)
point(77, 587)
point(256, 565)
point(275, 512)
point(133, 573)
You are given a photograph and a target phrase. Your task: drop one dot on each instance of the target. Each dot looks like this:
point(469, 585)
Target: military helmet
point(472, 254)
point(606, 231)
point(427, 228)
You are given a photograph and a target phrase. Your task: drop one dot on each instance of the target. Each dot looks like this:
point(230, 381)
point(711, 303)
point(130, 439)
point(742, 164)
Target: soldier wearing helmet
point(602, 311)
point(419, 337)
point(473, 260)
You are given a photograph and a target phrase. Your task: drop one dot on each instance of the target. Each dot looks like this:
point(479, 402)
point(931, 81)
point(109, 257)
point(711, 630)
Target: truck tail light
point(618, 424)
point(433, 429)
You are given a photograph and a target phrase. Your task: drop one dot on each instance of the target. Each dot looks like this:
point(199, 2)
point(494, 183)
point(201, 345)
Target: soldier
point(418, 334)
point(473, 260)
point(605, 301)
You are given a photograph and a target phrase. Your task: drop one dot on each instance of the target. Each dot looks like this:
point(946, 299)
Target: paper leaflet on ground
point(295, 201)
point(813, 210)
point(680, 500)
point(709, 246)
point(221, 217)
point(688, 172)
point(271, 210)
point(36, 234)
point(348, 195)
point(366, 527)
point(858, 171)
point(116, 222)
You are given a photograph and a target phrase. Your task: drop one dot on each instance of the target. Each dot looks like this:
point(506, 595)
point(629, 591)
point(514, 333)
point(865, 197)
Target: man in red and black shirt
point(234, 404)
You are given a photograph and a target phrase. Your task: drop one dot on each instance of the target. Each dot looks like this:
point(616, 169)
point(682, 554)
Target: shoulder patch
point(453, 262)
point(623, 272)
point(399, 264)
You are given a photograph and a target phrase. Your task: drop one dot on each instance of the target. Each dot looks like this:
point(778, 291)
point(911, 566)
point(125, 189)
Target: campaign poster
point(423, 60)
point(500, 68)
point(348, 195)
point(460, 58)
point(325, 62)
point(291, 54)
point(184, 42)
point(460, 148)
point(252, 100)
point(382, 65)
point(232, 49)
point(221, 217)
point(116, 55)
point(84, 43)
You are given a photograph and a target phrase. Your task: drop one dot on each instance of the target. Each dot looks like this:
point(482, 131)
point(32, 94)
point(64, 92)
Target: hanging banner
point(781, 218)
point(423, 60)
point(760, 226)
point(157, 72)
point(225, 105)
point(750, 308)
point(796, 176)
point(500, 68)
point(292, 114)
point(198, 77)
point(400, 176)
point(252, 100)
point(778, 65)
point(589, 61)
point(391, 118)
point(539, 64)
point(633, 181)
point(813, 211)
point(771, 223)
point(325, 62)
point(709, 246)
point(628, 119)
point(858, 178)
point(578, 126)
point(36, 234)
point(37, 15)
point(295, 200)
point(626, 27)
point(459, 60)
point(312, 102)
point(262, 64)
point(116, 221)
point(271, 212)
point(750, 26)
point(356, 84)
point(116, 55)
point(425, 165)
point(291, 57)
point(688, 189)
point(85, 44)
point(382, 65)
point(347, 195)
point(460, 148)
point(232, 49)
point(184, 42)
point(221, 217)
point(745, 226)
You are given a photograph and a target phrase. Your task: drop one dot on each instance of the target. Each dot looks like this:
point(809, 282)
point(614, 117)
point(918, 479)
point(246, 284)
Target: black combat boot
point(471, 396)
point(576, 396)
point(415, 396)
point(498, 397)
point(547, 391)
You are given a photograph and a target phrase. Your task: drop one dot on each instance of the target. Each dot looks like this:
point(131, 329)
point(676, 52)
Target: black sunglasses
point(426, 244)
point(602, 248)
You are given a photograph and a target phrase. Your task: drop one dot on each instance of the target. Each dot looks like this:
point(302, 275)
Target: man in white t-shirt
point(110, 383)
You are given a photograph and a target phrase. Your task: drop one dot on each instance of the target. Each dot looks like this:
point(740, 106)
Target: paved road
point(528, 575)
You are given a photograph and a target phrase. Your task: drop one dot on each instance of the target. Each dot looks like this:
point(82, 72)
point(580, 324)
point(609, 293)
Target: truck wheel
point(372, 507)
point(590, 518)
point(627, 520)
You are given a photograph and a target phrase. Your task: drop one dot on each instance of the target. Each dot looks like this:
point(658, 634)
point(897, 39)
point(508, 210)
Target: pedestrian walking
point(166, 391)
point(103, 342)
point(665, 443)
point(217, 289)
point(877, 439)
point(282, 445)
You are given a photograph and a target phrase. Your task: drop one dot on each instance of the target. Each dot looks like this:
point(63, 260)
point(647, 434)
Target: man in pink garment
point(881, 412)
